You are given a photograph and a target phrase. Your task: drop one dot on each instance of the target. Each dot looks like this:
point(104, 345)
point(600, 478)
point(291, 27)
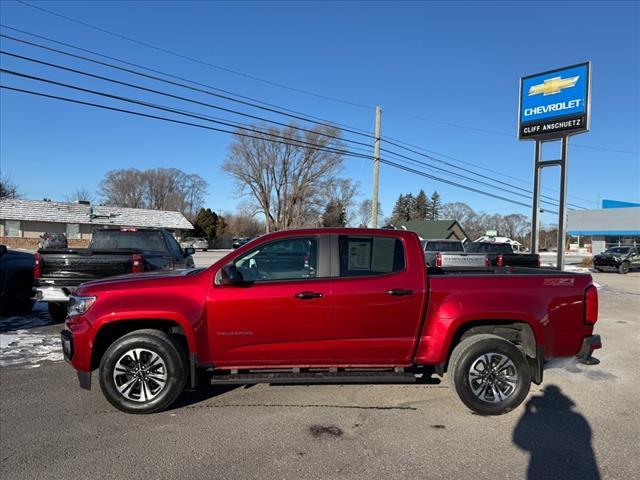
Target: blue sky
point(447, 63)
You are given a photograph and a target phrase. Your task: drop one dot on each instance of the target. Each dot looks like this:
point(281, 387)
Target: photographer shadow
point(557, 437)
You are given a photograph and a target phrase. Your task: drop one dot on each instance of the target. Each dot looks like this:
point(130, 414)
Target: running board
point(314, 377)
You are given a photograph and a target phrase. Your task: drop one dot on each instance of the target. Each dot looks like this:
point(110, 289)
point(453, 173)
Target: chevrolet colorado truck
point(112, 251)
point(328, 306)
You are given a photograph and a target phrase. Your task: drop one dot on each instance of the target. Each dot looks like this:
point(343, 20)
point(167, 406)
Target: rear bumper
point(589, 344)
point(52, 294)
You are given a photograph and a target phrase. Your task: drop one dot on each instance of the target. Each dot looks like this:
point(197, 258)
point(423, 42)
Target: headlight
point(79, 305)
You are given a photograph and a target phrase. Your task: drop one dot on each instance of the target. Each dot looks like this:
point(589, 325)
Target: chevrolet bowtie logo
point(553, 85)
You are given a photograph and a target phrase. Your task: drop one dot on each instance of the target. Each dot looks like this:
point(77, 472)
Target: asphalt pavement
point(582, 423)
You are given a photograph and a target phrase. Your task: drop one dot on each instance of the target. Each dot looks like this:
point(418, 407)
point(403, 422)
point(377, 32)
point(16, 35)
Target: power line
point(319, 148)
point(225, 97)
point(474, 173)
point(306, 92)
point(206, 118)
point(180, 112)
point(186, 99)
point(196, 60)
point(389, 140)
point(502, 134)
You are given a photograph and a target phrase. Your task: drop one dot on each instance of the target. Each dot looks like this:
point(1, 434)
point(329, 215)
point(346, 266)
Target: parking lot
point(582, 423)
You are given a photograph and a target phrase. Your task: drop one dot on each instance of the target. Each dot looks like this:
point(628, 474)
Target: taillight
point(37, 267)
point(438, 259)
point(591, 305)
point(487, 262)
point(136, 263)
point(500, 262)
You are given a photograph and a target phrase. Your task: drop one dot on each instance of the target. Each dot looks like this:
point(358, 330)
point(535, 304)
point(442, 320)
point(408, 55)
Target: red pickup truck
point(328, 306)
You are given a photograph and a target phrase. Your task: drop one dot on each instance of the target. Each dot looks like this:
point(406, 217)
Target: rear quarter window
point(370, 255)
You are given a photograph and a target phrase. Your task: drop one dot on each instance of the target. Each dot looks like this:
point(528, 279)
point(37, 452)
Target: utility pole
point(376, 170)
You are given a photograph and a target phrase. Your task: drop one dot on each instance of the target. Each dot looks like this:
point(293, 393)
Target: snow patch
point(25, 349)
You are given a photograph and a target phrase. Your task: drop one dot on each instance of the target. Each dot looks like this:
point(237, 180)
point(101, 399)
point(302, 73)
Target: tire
point(166, 381)
point(204, 249)
point(18, 299)
point(472, 353)
point(624, 268)
point(58, 311)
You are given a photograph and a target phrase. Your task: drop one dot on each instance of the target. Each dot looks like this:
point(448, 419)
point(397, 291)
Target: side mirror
point(231, 275)
point(189, 251)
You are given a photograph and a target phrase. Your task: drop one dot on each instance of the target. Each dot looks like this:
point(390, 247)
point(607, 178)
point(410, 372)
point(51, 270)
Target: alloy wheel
point(493, 377)
point(140, 375)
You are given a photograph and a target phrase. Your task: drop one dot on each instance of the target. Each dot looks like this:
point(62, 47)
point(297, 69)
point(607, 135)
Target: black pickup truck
point(114, 251)
point(16, 278)
point(502, 255)
point(620, 259)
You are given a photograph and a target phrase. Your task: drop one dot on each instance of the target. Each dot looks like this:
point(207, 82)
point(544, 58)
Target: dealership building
point(616, 223)
point(23, 221)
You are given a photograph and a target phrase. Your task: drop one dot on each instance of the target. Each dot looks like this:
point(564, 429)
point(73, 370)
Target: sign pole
point(376, 170)
point(562, 216)
point(535, 220)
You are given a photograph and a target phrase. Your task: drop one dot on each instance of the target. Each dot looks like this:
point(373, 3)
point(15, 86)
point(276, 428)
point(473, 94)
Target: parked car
point(621, 259)
point(16, 279)
point(238, 242)
point(502, 255)
point(112, 251)
point(451, 253)
point(197, 243)
point(53, 240)
point(328, 305)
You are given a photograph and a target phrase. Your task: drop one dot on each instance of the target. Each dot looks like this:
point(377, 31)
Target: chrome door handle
point(308, 295)
point(399, 292)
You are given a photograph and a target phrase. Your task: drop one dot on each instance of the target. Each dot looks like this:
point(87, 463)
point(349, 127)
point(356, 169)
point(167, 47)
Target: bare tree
point(285, 182)
point(80, 195)
point(158, 189)
point(364, 212)
point(124, 188)
point(8, 189)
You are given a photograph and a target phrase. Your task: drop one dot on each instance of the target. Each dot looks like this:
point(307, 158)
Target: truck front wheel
point(143, 372)
point(489, 374)
point(57, 311)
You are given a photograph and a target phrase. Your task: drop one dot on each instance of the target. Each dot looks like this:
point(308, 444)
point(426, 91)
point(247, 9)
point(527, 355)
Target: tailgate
point(84, 266)
point(463, 260)
point(521, 260)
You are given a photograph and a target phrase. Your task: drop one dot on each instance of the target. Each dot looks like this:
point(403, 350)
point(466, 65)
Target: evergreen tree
point(435, 206)
point(421, 211)
point(206, 224)
point(409, 207)
point(397, 214)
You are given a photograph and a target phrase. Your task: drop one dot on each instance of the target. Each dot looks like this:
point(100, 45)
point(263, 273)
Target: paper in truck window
point(359, 256)
point(382, 258)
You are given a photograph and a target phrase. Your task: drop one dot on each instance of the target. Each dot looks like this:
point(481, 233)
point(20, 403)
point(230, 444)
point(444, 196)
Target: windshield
point(618, 250)
point(490, 248)
point(444, 247)
point(127, 240)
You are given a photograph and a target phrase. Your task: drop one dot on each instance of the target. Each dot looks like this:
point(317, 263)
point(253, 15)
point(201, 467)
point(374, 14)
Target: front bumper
point(589, 344)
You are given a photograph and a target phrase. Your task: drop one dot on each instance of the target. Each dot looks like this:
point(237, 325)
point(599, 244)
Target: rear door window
point(444, 247)
point(370, 255)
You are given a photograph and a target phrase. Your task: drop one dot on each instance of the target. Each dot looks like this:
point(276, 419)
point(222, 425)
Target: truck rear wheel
point(57, 311)
point(143, 372)
point(489, 374)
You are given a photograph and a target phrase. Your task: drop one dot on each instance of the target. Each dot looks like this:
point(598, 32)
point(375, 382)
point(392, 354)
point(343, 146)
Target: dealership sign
point(556, 103)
